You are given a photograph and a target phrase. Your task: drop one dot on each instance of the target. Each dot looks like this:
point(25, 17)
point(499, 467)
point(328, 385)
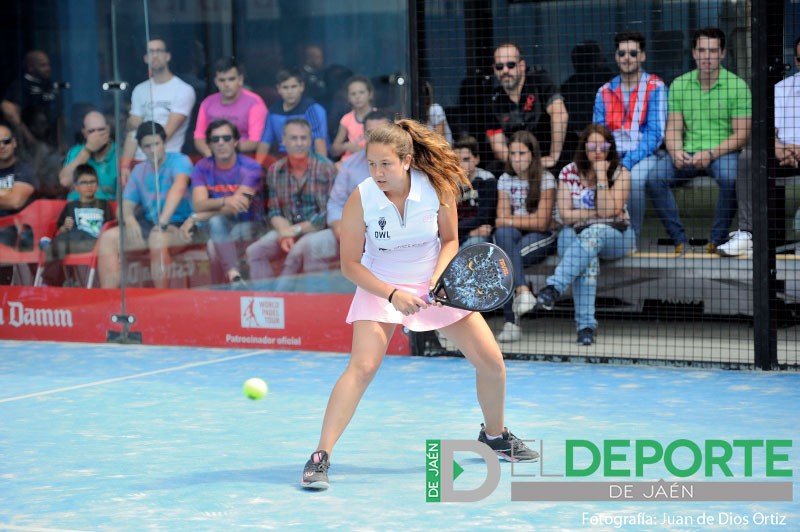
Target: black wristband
point(392, 294)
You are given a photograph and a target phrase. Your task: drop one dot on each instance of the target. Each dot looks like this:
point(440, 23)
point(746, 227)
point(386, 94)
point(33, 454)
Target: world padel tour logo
point(262, 313)
point(752, 470)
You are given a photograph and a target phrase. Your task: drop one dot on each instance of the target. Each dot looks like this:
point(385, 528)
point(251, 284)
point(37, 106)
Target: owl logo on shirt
point(382, 234)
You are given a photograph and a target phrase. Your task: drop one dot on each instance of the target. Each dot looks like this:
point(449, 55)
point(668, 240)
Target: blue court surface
point(112, 437)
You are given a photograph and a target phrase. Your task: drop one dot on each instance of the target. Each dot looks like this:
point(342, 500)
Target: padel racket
point(480, 278)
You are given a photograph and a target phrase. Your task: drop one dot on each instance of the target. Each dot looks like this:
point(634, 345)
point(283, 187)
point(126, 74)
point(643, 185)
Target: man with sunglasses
point(633, 105)
point(17, 187)
point(526, 100)
point(227, 192)
point(708, 124)
point(99, 151)
point(299, 186)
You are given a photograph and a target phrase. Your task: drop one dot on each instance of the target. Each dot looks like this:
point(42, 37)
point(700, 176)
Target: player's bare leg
point(473, 337)
point(370, 341)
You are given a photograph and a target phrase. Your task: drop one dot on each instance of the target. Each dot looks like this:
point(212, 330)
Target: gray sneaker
point(315, 474)
point(509, 447)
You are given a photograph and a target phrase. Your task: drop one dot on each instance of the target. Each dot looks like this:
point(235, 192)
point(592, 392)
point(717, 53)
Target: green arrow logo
point(457, 470)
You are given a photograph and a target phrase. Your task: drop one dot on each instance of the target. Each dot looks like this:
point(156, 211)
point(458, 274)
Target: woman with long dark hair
point(591, 200)
point(526, 194)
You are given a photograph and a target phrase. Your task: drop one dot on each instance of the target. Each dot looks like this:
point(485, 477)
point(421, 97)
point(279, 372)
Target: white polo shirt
point(401, 250)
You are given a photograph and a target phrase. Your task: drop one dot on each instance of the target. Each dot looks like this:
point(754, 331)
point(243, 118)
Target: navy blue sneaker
point(585, 336)
point(509, 447)
point(546, 298)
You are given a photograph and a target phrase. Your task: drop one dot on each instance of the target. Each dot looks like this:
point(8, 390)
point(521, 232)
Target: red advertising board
point(211, 318)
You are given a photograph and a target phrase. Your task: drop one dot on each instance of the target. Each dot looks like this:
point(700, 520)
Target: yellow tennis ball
point(255, 388)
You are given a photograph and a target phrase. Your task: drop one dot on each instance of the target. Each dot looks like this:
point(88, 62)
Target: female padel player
point(399, 232)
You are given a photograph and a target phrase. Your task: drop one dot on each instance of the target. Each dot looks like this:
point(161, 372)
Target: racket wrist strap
point(391, 295)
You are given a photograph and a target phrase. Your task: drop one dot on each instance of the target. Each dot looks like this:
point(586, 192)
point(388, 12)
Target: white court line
point(129, 377)
point(4, 526)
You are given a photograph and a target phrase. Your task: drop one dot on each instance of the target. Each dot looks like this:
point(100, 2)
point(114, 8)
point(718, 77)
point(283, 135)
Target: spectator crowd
point(569, 169)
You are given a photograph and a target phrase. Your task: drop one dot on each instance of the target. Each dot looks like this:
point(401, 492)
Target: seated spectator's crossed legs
point(580, 264)
point(225, 233)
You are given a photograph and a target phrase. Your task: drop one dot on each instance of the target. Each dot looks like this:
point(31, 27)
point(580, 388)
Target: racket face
point(479, 277)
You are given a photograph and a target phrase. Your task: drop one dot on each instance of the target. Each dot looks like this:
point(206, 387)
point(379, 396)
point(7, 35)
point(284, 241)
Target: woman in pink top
point(350, 137)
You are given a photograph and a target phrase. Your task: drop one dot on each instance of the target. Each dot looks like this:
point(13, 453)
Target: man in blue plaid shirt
point(298, 188)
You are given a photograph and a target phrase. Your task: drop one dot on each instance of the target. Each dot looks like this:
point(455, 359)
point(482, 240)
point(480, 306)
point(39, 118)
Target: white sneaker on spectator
point(524, 303)
point(510, 332)
point(739, 243)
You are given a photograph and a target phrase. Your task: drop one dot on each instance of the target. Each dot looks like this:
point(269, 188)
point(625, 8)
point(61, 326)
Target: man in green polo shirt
point(707, 126)
point(97, 150)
